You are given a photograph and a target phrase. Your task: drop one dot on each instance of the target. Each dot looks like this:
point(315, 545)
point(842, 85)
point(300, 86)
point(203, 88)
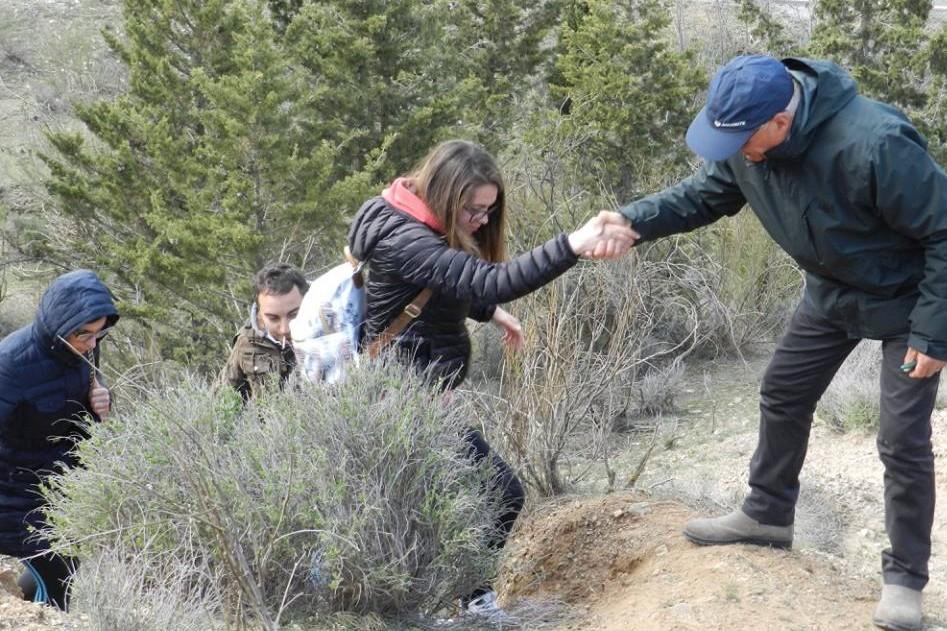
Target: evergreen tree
point(198, 175)
point(398, 76)
point(502, 51)
point(375, 73)
point(891, 53)
point(767, 33)
point(630, 95)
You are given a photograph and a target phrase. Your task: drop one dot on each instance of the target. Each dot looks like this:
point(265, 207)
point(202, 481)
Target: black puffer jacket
point(405, 256)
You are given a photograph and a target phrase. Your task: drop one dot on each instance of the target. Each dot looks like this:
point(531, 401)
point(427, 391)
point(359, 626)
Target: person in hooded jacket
point(262, 351)
point(443, 229)
point(50, 387)
point(845, 185)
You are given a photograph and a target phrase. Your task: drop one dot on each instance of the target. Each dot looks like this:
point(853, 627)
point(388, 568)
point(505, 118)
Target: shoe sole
point(766, 543)
point(893, 626)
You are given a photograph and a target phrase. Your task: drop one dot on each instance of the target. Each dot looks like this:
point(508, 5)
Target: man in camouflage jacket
point(262, 352)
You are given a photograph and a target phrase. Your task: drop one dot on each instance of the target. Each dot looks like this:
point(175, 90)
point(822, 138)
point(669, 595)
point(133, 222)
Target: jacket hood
point(826, 89)
point(70, 301)
point(380, 215)
point(258, 333)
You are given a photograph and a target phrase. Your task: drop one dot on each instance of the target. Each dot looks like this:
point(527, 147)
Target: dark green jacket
point(852, 195)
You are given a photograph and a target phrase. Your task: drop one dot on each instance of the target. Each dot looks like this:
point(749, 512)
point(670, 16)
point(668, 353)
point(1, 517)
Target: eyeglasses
point(87, 336)
point(478, 214)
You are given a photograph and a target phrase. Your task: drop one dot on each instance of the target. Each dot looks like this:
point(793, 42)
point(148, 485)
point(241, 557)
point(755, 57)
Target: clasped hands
point(608, 235)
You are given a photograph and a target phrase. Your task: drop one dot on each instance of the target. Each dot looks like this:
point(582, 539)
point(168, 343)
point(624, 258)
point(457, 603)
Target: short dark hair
point(279, 279)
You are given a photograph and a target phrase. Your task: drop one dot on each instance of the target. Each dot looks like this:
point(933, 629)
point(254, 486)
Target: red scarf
point(401, 197)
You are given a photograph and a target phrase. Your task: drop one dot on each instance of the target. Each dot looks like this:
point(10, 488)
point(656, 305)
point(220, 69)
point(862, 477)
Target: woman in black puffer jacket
point(442, 228)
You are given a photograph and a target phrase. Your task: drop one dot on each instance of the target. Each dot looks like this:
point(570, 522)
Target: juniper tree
point(197, 175)
point(631, 95)
point(502, 50)
point(893, 55)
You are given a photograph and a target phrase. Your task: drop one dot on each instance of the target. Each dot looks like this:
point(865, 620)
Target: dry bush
point(852, 401)
point(590, 337)
point(607, 342)
point(745, 284)
point(116, 591)
point(355, 498)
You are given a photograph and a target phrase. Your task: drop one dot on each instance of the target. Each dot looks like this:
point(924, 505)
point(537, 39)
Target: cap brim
point(711, 143)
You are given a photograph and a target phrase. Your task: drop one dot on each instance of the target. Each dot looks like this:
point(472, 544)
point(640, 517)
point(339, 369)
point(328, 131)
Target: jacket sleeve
point(426, 261)
point(8, 390)
point(232, 374)
point(482, 312)
point(703, 198)
point(910, 192)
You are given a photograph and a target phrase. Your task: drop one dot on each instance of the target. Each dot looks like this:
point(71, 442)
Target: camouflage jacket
point(256, 362)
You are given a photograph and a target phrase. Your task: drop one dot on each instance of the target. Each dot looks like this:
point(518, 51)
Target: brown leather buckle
point(412, 310)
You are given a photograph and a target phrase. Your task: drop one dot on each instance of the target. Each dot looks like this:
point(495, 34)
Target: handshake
point(608, 235)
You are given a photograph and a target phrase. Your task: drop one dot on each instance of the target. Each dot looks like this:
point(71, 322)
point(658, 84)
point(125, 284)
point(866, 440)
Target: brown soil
point(622, 561)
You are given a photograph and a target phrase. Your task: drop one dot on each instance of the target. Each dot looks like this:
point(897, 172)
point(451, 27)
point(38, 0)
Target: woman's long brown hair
point(446, 180)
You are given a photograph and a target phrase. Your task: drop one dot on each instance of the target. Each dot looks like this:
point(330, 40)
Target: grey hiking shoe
point(899, 609)
point(737, 527)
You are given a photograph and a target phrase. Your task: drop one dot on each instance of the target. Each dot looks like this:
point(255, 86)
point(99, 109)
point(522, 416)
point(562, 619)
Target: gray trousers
point(805, 360)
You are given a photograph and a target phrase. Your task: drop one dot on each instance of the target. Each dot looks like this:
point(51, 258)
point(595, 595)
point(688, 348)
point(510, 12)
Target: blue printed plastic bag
point(327, 330)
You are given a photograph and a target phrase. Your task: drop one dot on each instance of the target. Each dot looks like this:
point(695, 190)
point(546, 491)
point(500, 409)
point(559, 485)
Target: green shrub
point(315, 500)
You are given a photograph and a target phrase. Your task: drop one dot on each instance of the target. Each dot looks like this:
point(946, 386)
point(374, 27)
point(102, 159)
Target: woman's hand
point(512, 330)
point(608, 235)
point(99, 399)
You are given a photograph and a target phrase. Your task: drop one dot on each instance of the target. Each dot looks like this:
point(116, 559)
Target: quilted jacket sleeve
point(424, 259)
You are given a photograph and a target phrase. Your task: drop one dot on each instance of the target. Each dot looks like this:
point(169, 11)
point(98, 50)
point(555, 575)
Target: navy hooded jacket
point(44, 397)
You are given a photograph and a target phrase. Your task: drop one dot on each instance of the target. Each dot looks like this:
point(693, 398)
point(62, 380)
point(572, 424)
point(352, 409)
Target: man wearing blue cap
point(845, 185)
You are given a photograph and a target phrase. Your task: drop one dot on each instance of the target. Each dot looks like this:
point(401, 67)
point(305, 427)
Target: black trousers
point(506, 483)
point(805, 361)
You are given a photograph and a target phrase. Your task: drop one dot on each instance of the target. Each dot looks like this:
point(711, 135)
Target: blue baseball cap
point(743, 95)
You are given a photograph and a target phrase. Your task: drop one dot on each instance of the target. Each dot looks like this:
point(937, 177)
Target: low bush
point(356, 497)
point(116, 591)
point(852, 401)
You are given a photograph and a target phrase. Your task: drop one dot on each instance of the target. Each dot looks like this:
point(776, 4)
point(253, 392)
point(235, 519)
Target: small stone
point(618, 514)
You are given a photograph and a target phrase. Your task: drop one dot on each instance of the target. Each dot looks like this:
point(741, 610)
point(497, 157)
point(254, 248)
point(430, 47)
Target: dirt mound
point(622, 560)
